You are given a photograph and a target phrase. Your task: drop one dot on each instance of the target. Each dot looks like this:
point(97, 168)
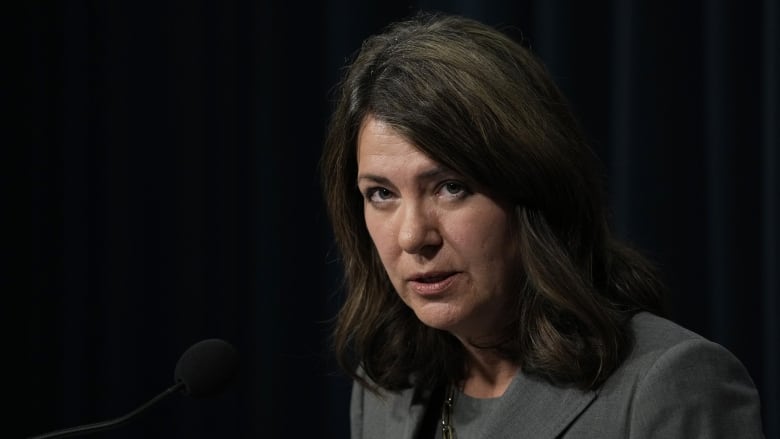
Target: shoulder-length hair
point(476, 101)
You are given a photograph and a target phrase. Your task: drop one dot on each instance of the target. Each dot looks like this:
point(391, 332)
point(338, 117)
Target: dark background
point(168, 190)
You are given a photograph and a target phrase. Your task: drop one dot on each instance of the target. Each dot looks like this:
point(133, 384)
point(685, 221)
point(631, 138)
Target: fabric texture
point(674, 384)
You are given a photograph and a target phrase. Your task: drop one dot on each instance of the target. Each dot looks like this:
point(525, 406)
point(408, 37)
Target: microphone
point(203, 370)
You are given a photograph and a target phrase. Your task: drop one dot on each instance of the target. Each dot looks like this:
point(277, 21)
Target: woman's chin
point(440, 316)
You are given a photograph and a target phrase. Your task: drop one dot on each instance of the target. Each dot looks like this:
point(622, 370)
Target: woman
point(485, 294)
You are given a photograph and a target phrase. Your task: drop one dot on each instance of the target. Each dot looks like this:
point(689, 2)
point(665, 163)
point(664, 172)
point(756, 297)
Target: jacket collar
point(530, 408)
point(534, 408)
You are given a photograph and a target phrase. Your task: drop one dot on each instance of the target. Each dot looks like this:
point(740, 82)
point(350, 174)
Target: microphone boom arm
point(112, 423)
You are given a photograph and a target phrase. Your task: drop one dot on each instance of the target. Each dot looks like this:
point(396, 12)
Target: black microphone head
point(206, 367)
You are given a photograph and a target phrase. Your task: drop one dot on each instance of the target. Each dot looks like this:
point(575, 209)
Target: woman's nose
point(419, 230)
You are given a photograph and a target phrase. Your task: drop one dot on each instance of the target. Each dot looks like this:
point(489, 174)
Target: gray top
point(674, 384)
point(469, 414)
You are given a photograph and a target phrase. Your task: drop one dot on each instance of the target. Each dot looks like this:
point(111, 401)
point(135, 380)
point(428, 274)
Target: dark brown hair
point(474, 100)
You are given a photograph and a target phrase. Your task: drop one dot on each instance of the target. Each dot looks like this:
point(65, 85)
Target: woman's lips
point(432, 283)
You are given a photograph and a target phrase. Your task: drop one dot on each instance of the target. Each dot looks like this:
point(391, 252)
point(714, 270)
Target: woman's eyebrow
point(433, 173)
point(373, 178)
point(427, 175)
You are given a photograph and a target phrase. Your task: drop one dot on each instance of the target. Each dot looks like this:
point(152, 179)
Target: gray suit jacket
point(674, 384)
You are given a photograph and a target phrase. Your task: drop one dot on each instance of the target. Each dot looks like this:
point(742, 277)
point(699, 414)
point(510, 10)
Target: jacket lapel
point(533, 408)
point(405, 417)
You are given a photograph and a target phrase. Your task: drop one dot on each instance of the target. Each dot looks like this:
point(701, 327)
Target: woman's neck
point(489, 374)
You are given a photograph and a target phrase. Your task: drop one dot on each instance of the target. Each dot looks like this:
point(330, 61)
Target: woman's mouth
point(428, 284)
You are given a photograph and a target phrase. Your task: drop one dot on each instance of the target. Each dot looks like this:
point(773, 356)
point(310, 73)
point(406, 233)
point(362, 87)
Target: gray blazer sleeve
point(696, 389)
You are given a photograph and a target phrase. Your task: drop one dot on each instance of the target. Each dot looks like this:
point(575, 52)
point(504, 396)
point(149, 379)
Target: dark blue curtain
point(169, 189)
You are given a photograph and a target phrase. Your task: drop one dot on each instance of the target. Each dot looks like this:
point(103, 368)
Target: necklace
point(447, 430)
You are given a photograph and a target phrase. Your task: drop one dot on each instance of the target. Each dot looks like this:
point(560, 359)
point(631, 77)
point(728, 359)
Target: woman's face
point(447, 247)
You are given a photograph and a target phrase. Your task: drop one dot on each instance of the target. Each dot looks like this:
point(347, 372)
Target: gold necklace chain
point(447, 430)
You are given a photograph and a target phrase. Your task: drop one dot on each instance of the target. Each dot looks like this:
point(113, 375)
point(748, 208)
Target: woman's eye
point(378, 194)
point(453, 189)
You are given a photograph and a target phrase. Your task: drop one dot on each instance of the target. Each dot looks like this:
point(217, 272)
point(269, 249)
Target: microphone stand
point(112, 423)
